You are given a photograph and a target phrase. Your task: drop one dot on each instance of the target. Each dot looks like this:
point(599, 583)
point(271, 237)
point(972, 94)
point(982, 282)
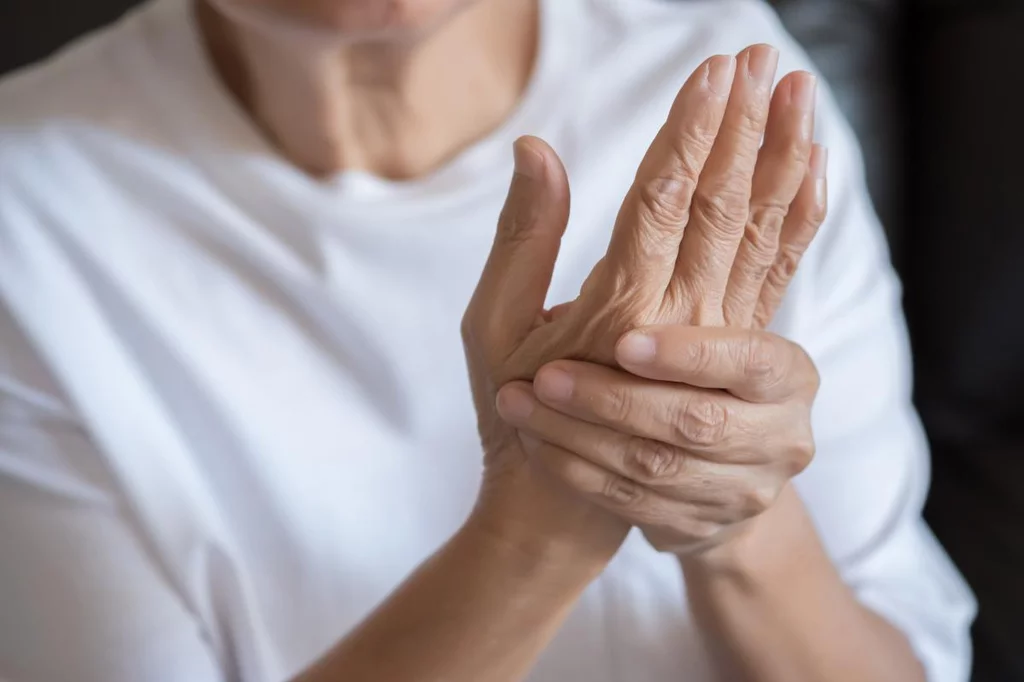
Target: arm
point(480, 610)
point(851, 564)
point(699, 457)
point(82, 597)
point(841, 582)
point(689, 464)
point(773, 607)
point(488, 602)
point(773, 604)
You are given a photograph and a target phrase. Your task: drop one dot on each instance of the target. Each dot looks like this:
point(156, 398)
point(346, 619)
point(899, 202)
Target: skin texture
point(355, 91)
point(654, 272)
point(354, 20)
point(672, 409)
point(639, 402)
point(566, 477)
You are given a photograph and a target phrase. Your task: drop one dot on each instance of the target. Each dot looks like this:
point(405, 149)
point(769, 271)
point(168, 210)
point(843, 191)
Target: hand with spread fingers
point(710, 419)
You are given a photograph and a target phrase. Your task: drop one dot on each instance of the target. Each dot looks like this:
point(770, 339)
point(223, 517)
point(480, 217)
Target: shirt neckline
point(217, 127)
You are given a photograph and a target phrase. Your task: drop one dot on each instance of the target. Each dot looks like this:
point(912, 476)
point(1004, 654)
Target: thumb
point(510, 296)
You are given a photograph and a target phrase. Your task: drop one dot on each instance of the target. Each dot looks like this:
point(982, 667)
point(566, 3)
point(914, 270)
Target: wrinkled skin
point(707, 238)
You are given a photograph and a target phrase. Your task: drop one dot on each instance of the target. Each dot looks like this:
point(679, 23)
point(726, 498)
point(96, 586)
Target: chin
point(352, 20)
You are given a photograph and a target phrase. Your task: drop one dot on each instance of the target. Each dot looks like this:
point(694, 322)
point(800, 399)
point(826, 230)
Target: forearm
point(480, 610)
point(773, 608)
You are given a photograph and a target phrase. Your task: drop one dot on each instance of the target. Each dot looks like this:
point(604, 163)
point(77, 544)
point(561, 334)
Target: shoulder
point(708, 25)
point(634, 55)
point(661, 42)
point(53, 111)
point(86, 79)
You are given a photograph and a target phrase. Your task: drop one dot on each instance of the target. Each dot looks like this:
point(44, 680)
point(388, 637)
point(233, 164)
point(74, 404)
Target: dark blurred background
point(935, 89)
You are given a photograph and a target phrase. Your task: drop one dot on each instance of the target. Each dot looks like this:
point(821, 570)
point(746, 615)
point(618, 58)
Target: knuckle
point(616, 404)
point(793, 149)
point(622, 492)
point(762, 361)
point(752, 118)
point(705, 315)
point(765, 309)
point(756, 500)
point(702, 422)
point(652, 460)
point(664, 202)
point(787, 261)
point(518, 217)
point(755, 271)
point(762, 237)
point(690, 147)
point(809, 369)
point(702, 356)
point(765, 224)
point(724, 210)
point(802, 454)
point(626, 316)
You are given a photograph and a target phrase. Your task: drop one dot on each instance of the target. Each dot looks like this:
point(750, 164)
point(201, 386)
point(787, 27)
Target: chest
point(311, 374)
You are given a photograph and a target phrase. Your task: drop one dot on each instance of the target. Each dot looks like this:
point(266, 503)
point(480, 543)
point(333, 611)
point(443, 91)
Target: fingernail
point(805, 91)
point(821, 192)
point(515, 404)
point(553, 384)
point(530, 444)
point(762, 61)
point(528, 162)
point(819, 162)
point(636, 348)
point(721, 70)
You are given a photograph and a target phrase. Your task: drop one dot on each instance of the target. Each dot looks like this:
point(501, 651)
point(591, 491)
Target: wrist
point(766, 544)
point(533, 522)
point(531, 556)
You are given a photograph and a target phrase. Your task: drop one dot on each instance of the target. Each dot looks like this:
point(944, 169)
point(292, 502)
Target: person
point(243, 245)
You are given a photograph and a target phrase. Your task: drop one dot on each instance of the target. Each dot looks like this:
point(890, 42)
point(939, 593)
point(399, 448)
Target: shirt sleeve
point(81, 598)
point(866, 488)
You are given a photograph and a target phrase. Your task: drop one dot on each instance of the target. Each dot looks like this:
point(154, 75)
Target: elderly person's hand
point(709, 234)
point(685, 461)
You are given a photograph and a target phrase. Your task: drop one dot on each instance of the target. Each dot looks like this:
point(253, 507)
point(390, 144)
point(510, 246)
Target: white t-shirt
point(234, 412)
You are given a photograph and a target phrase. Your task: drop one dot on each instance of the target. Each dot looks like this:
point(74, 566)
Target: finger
point(721, 202)
point(671, 470)
point(510, 295)
point(628, 499)
point(646, 460)
point(710, 423)
point(781, 167)
point(650, 224)
point(753, 365)
point(805, 217)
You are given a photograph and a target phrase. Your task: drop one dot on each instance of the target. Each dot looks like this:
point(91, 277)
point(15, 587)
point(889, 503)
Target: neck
point(394, 109)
